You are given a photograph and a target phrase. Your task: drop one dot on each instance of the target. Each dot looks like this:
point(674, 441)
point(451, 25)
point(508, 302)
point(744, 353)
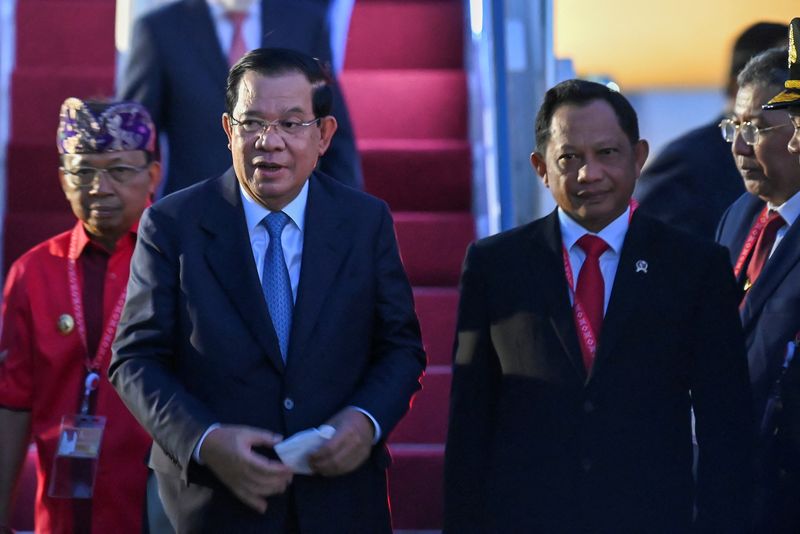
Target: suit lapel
point(777, 268)
point(741, 228)
point(230, 258)
point(554, 283)
point(205, 41)
point(325, 245)
point(630, 286)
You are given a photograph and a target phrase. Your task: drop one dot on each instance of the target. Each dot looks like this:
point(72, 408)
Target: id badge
point(75, 462)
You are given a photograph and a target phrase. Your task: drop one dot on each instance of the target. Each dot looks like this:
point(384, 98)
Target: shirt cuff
point(196, 451)
point(375, 424)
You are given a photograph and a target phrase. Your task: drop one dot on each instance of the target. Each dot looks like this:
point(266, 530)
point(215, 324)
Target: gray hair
point(767, 68)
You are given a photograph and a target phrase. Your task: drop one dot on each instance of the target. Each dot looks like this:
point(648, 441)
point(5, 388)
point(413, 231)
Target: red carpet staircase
point(62, 49)
point(53, 61)
point(406, 88)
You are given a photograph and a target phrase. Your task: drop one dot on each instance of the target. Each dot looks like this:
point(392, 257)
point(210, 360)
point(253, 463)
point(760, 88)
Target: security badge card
point(75, 461)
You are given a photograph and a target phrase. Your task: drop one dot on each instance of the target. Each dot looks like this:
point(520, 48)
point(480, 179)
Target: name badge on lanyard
point(81, 435)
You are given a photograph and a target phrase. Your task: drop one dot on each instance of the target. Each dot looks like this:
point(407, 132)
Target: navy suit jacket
point(534, 445)
point(771, 318)
point(178, 71)
point(196, 346)
point(691, 182)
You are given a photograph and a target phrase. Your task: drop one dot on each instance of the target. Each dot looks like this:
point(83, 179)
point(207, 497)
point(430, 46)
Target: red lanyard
point(751, 240)
point(586, 335)
point(104, 347)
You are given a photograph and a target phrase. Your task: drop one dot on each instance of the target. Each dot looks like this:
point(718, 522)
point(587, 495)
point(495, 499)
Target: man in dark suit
point(762, 233)
point(218, 355)
point(571, 408)
point(178, 63)
point(694, 179)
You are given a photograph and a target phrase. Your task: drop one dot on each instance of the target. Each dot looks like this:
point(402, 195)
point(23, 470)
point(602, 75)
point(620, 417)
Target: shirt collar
point(254, 212)
point(83, 239)
point(789, 210)
point(218, 11)
point(613, 233)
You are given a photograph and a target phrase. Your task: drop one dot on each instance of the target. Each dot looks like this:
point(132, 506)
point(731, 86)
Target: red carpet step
point(430, 37)
point(55, 33)
point(44, 89)
point(38, 188)
point(418, 174)
point(415, 486)
point(436, 309)
point(407, 104)
point(29, 228)
point(406, 88)
point(433, 245)
point(426, 422)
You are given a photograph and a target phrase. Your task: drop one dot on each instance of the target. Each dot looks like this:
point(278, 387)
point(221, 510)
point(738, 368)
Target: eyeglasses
point(87, 177)
point(284, 127)
point(748, 130)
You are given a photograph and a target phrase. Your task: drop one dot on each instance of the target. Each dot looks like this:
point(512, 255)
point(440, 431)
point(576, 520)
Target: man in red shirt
point(62, 300)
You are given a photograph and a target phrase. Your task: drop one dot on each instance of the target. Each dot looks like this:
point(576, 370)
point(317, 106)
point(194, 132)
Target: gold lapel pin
point(65, 324)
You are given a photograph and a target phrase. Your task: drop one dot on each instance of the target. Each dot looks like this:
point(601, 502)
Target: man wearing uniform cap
point(789, 98)
point(61, 303)
point(771, 307)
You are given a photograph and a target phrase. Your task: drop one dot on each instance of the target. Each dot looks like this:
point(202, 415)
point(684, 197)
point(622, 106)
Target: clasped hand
point(228, 453)
point(348, 448)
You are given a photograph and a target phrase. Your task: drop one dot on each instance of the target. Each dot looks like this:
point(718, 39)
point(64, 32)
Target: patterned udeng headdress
point(94, 127)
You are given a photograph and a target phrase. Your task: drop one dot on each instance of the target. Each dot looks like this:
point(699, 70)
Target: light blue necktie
point(275, 280)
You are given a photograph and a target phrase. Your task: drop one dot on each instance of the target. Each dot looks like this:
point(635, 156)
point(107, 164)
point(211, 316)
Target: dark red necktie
point(590, 291)
point(764, 245)
point(238, 46)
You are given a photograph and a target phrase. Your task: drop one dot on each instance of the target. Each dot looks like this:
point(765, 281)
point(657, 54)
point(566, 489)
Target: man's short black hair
point(581, 93)
point(277, 61)
point(754, 40)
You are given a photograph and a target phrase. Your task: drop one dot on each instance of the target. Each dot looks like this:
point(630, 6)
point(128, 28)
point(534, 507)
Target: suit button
point(588, 407)
point(586, 465)
point(288, 403)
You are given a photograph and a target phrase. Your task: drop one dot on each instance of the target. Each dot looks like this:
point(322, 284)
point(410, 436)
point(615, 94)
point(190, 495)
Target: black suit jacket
point(771, 318)
point(177, 70)
point(196, 346)
point(534, 445)
point(691, 182)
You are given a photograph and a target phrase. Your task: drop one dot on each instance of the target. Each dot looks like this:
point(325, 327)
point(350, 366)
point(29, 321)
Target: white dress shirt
point(292, 243)
point(251, 27)
point(291, 238)
point(338, 19)
point(789, 211)
point(613, 234)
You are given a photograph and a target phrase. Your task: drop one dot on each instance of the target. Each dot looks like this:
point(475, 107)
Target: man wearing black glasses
point(61, 306)
point(761, 231)
point(264, 303)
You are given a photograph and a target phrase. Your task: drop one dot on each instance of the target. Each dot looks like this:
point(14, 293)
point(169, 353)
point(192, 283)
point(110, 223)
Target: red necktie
point(591, 288)
point(238, 46)
point(764, 246)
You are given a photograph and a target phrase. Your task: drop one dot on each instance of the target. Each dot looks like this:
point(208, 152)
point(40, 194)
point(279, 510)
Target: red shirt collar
point(84, 239)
